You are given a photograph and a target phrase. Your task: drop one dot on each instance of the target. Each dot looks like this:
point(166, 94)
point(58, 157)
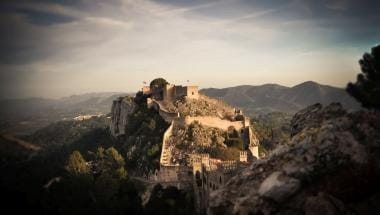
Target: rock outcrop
point(330, 166)
point(120, 110)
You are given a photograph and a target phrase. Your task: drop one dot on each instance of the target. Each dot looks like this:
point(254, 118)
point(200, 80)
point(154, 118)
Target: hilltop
point(199, 124)
point(206, 138)
point(268, 98)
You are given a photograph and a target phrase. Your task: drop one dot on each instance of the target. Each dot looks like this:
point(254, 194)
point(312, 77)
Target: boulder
point(331, 165)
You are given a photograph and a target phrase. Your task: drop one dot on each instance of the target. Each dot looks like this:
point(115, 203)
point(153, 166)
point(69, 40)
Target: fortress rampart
point(215, 122)
point(166, 151)
point(166, 115)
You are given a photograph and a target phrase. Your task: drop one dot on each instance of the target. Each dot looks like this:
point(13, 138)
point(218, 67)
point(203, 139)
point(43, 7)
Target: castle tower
point(243, 156)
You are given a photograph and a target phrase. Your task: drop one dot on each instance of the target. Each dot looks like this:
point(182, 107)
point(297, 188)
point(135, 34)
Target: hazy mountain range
point(32, 113)
point(273, 97)
point(85, 103)
point(26, 115)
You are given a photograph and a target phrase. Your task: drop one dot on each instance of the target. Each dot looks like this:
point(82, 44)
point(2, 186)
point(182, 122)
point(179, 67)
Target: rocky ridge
point(330, 166)
point(121, 108)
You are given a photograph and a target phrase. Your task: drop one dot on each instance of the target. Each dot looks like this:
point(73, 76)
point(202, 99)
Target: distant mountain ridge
point(86, 103)
point(25, 115)
point(273, 97)
point(254, 100)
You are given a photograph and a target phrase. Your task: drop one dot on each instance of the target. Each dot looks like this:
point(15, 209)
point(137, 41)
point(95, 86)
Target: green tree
point(105, 190)
point(154, 151)
point(112, 175)
point(111, 162)
point(100, 153)
point(113, 158)
point(366, 90)
point(169, 201)
point(235, 143)
point(158, 83)
point(76, 165)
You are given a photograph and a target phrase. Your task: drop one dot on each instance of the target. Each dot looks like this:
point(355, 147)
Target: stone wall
point(254, 151)
point(192, 92)
point(174, 173)
point(169, 92)
point(168, 174)
point(166, 152)
point(243, 156)
point(214, 122)
point(253, 145)
point(209, 175)
point(168, 116)
point(179, 176)
point(180, 91)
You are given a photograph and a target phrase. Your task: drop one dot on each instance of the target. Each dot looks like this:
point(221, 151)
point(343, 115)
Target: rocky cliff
point(330, 166)
point(121, 108)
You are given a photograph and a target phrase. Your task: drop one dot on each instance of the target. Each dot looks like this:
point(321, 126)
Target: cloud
point(75, 46)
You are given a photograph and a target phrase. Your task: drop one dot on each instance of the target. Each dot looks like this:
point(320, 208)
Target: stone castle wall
point(192, 92)
point(170, 92)
point(166, 152)
point(209, 175)
point(175, 175)
point(253, 145)
point(166, 115)
point(214, 122)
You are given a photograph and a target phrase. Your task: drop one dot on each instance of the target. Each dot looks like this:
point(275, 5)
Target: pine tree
point(111, 163)
point(76, 165)
point(115, 163)
point(366, 90)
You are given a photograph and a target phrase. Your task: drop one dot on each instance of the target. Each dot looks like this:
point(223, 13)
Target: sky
point(56, 48)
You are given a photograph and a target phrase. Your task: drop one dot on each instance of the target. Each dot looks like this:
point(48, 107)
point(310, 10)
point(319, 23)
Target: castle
point(199, 172)
point(202, 173)
point(170, 92)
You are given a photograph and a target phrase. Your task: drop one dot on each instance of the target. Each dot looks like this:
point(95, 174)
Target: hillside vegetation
point(83, 169)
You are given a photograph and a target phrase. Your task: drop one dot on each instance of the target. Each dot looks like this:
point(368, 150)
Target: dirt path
point(20, 142)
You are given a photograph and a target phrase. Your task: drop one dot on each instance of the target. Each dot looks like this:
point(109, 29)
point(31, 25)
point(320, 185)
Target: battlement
point(170, 92)
point(243, 156)
point(199, 157)
point(211, 164)
point(229, 165)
